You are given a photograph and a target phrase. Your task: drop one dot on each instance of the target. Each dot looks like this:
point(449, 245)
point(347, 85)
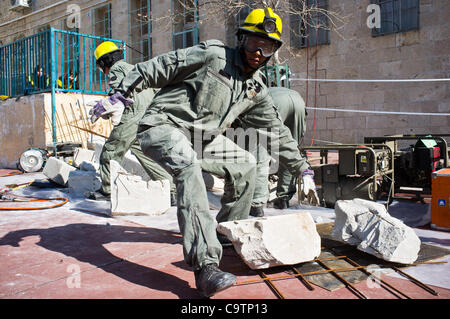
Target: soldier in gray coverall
point(292, 110)
point(203, 90)
point(123, 136)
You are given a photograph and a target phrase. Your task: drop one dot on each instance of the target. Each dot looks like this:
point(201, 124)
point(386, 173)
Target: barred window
point(397, 16)
point(185, 25)
point(140, 33)
point(101, 21)
point(311, 29)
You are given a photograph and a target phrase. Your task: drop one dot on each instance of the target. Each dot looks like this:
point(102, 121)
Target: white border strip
point(376, 112)
point(370, 81)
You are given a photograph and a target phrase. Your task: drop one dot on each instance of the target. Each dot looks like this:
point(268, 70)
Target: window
point(312, 29)
point(238, 20)
point(101, 21)
point(185, 24)
point(397, 16)
point(101, 27)
point(140, 31)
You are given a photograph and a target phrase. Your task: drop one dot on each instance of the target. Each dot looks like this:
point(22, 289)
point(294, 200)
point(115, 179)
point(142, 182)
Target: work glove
point(308, 191)
point(111, 107)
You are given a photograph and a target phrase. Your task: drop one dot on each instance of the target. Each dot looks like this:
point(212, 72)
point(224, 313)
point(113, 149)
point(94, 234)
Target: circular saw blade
point(32, 160)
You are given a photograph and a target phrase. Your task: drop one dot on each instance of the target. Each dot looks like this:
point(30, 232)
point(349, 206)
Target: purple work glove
point(110, 107)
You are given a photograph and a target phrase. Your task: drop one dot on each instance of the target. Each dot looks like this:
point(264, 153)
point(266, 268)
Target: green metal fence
point(276, 75)
point(52, 61)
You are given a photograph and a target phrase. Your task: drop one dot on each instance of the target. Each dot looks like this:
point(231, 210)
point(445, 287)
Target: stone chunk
point(82, 155)
point(369, 226)
point(84, 181)
point(132, 165)
point(57, 170)
point(130, 195)
point(273, 241)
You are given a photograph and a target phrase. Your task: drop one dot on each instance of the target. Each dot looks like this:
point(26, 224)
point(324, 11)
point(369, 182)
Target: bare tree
point(310, 14)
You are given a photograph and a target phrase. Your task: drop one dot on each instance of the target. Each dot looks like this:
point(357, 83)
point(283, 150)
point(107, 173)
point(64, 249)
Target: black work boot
point(256, 211)
point(210, 280)
point(281, 203)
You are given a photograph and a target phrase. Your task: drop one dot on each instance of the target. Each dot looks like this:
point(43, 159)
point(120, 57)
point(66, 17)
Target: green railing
point(52, 61)
point(276, 75)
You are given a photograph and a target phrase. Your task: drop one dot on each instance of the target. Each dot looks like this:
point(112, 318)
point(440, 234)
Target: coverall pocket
point(215, 93)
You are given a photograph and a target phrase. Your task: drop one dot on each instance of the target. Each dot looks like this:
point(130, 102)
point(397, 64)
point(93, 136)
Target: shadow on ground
point(85, 242)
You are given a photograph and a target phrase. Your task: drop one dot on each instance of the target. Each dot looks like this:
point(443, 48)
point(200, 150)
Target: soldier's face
point(254, 59)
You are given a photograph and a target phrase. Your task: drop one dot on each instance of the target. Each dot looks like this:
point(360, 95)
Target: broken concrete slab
point(274, 241)
point(369, 226)
point(89, 166)
point(82, 155)
point(57, 170)
point(132, 165)
point(84, 181)
point(131, 195)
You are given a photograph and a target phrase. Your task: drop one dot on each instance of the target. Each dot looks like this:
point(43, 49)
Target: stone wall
point(420, 54)
point(27, 122)
point(423, 53)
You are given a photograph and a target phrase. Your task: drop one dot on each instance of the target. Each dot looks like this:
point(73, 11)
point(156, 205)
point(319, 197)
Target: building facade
point(412, 42)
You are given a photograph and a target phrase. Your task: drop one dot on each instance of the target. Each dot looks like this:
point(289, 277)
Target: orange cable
point(12, 173)
point(37, 199)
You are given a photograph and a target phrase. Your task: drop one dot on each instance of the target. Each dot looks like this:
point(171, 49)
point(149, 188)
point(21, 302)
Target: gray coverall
point(203, 91)
point(123, 136)
point(291, 108)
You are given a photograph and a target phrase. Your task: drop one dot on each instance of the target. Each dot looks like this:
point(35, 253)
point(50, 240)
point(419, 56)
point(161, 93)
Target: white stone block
point(84, 181)
point(273, 241)
point(130, 195)
point(57, 170)
point(131, 164)
point(82, 155)
point(369, 226)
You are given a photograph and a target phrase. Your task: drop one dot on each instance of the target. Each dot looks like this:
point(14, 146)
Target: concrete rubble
point(83, 181)
point(274, 241)
point(369, 226)
point(83, 155)
point(57, 170)
point(131, 195)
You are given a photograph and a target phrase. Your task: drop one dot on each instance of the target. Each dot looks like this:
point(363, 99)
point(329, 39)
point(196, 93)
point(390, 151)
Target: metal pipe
point(271, 285)
point(354, 263)
point(343, 280)
point(303, 279)
point(52, 43)
point(417, 282)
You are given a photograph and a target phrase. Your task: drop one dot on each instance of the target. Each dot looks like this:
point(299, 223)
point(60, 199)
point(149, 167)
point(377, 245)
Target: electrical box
point(330, 173)
point(365, 164)
point(18, 5)
point(347, 162)
point(440, 199)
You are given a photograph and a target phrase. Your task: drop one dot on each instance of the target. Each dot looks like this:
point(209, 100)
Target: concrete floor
point(76, 252)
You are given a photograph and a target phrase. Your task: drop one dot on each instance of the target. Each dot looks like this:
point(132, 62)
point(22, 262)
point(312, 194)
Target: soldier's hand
point(111, 107)
point(308, 191)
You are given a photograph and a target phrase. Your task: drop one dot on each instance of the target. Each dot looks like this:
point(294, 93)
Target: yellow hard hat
point(105, 48)
point(263, 22)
